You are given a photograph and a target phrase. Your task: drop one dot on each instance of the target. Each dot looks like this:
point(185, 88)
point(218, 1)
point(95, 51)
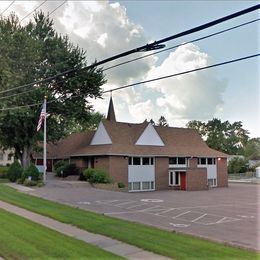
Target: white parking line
point(194, 220)
point(186, 212)
point(136, 206)
point(124, 203)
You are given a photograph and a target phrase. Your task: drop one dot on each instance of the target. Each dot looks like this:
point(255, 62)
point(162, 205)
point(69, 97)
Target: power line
point(142, 48)
point(58, 7)
point(33, 10)
point(148, 55)
point(7, 8)
point(184, 72)
point(150, 80)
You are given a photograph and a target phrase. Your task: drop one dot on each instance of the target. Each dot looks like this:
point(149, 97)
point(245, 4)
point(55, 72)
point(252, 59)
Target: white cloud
point(197, 95)
point(142, 110)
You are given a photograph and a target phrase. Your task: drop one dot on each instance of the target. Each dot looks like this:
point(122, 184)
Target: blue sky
point(105, 28)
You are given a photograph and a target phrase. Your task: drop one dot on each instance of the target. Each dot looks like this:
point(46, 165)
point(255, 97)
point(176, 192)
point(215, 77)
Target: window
point(136, 185)
point(174, 178)
point(181, 160)
point(145, 185)
point(140, 161)
point(202, 161)
point(129, 160)
point(146, 160)
point(212, 182)
point(173, 160)
point(210, 161)
point(177, 160)
point(136, 160)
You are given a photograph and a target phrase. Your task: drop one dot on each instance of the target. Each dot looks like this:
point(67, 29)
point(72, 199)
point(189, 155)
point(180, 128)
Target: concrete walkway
point(106, 243)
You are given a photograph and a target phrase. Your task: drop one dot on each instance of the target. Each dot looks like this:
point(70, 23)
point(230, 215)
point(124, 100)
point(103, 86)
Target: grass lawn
point(4, 180)
point(170, 244)
point(23, 239)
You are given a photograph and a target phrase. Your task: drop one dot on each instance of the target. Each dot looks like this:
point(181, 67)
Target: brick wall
point(102, 162)
point(222, 175)
point(81, 162)
point(118, 169)
point(196, 179)
point(193, 162)
point(162, 173)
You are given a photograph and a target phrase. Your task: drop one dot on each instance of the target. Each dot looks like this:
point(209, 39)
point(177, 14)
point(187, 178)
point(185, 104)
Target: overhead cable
point(150, 80)
point(33, 11)
point(7, 8)
point(143, 48)
point(54, 10)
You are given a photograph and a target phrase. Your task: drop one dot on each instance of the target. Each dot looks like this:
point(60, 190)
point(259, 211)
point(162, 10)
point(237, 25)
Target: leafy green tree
point(252, 148)
point(237, 165)
point(162, 122)
point(222, 136)
point(30, 53)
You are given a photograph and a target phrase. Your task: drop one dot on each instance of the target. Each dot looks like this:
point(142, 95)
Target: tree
point(30, 53)
point(162, 122)
point(237, 165)
point(222, 136)
point(252, 148)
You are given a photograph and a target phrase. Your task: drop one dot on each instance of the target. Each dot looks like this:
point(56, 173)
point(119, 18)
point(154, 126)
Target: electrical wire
point(7, 8)
point(145, 56)
point(33, 11)
point(143, 48)
point(58, 7)
point(150, 80)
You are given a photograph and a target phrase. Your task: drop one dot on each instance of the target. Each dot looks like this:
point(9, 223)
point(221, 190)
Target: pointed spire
point(111, 112)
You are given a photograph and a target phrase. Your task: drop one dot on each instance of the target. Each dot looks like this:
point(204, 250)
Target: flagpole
point(44, 143)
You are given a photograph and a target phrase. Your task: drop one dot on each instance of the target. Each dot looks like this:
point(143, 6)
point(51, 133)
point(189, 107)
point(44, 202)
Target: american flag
point(42, 115)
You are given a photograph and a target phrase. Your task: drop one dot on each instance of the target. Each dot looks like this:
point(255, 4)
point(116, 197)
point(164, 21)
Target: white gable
point(150, 137)
point(101, 136)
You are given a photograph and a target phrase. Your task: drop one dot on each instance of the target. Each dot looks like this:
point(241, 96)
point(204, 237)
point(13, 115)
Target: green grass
point(170, 244)
point(23, 239)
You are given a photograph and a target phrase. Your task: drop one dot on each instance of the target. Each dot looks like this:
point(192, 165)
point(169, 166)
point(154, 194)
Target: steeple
point(111, 112)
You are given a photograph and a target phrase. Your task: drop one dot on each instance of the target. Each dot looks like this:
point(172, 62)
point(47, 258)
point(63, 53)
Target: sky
point(106, 28)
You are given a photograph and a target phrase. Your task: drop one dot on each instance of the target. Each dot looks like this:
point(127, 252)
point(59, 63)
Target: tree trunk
point(26, 156)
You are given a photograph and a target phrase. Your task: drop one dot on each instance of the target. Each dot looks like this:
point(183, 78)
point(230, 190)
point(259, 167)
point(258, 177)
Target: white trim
point(101, 136)
point(150, 137)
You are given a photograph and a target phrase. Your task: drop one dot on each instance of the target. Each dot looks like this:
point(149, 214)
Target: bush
point(29, 183)
point(3, 172)
point(71, 169)
point(97, 176)
point(237, 165)
point(15, 171)
point(121, 185)
point(58, 164)
point(31, 171)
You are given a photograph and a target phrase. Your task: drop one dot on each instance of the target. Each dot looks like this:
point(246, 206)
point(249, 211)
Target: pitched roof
point(178, 142)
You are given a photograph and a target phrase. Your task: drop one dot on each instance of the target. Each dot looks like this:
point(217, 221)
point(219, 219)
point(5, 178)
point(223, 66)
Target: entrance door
point(183, 180)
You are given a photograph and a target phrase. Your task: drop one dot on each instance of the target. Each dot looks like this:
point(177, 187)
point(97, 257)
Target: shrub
point(31, 171)
point(15, 171)
point(71, 169)
point(237, 165)
point(28, 182)
point(60, 171)
point(58, 164)
point(3, 172)
point(97, 176)
point(121, 185)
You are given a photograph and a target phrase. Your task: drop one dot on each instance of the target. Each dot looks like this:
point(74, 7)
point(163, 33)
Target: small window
point(176, 178)
point(136, 160)
point(202, 160)
point(146, 185)
point(146, 160)
point(171, 178)
point(151, 160)
point(210, 161)
point(136, 186)
point(173, 160)
point(181, 160)
point(130, 186)
point(10, 157)
point(129, 160)
point(152, 185)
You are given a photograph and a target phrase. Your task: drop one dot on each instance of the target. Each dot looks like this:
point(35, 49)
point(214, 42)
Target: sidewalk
point(106, 243)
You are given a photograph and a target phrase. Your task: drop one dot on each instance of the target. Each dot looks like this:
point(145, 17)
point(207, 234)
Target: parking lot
point(229, 215)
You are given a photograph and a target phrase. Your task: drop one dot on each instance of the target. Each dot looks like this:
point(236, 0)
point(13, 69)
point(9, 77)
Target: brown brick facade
point(196, 179)
point(118, 169)
point(222, 176)
point(81, 162)
point(161, 173)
